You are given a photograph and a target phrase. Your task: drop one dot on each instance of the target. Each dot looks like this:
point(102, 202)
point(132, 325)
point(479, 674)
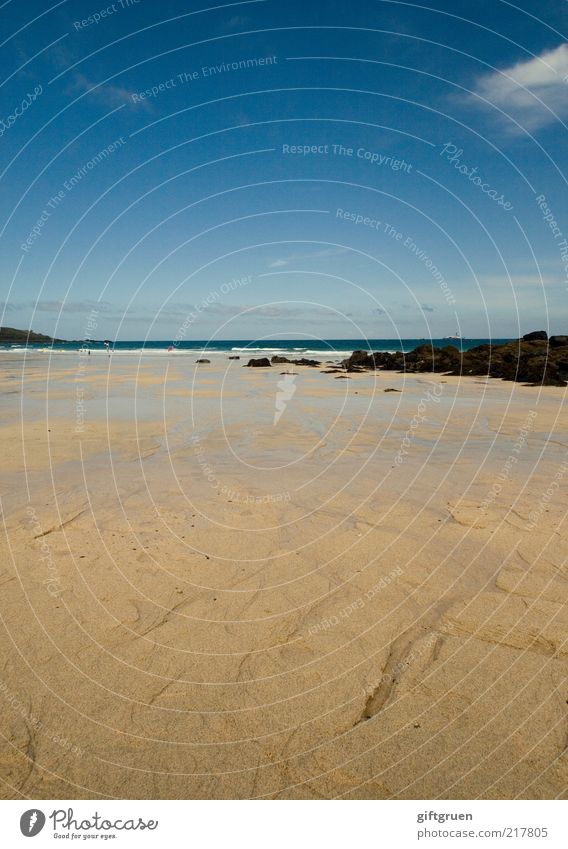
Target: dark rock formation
point(234, 358)
point(360, 358)
point(260, 362)
point(536, 336)
point(302, 362)
point(533, 359)
point(203, 361)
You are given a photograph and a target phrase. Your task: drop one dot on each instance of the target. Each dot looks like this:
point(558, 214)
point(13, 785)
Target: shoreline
point(534, 359)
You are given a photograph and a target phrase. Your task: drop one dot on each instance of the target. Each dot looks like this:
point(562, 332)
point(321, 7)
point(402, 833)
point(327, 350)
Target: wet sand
point(365, 599)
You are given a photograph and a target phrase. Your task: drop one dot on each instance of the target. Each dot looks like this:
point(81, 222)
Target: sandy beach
point(221, 582)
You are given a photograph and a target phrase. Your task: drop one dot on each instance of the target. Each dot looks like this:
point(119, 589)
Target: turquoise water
point(260, 347)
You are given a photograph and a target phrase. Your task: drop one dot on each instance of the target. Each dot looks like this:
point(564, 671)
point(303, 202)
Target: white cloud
point(321, 254)
point(109, 95)
point(58, 306)
point(534, 92)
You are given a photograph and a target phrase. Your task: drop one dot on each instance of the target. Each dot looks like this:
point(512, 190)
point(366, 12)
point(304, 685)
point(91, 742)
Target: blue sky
point(334, 170)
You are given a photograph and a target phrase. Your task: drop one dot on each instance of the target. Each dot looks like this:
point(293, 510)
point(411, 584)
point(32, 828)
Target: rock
point(451, 353)
point(203, 361)
point(260, 362)
point(533, 359)
point(360, 359)
point(475, 361)
point(535, 336)
point(277, 360)
point(390, 389)
point(234, 358)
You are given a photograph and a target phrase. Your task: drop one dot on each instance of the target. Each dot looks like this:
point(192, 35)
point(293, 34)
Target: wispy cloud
point(57, 306)
point(236, 22)
point(520, 281)
point(262, 311)
point(221, 311)
point(282, 262)
point(284, 311)
point(534, 92)
point(109, 95)
point(73, 306)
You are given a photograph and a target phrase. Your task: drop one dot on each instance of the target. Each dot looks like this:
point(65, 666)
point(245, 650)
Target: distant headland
point(12, 336)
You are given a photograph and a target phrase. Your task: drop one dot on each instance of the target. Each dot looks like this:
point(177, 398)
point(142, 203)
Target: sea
point(328, 349)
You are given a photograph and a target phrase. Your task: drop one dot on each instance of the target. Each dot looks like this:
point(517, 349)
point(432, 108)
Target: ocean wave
point(329, 352)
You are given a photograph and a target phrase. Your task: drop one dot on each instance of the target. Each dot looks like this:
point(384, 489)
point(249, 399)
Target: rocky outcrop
point(202, 360)
point(260, 362)
point(532, 359)
point(361, 358)
point(304, 362)
point(301, 362)
point(536, 336)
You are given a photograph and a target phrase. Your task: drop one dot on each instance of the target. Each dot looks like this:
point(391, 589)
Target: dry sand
point(366, 600)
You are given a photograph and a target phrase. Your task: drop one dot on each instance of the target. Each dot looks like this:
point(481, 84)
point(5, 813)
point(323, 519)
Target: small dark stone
point(203, 361)
point(260, 362)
